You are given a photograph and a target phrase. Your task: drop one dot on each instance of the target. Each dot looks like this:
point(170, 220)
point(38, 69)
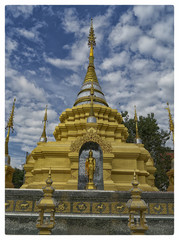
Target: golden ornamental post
point(137, 138)
point(43, 137)
point(170, 173)
point(171, 124)
point(47, 205)
point(137, 207)
point(8, 169)
point(10, 126)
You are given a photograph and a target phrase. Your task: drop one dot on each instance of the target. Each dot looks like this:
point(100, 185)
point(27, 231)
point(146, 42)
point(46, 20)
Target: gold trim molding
point(91, 136)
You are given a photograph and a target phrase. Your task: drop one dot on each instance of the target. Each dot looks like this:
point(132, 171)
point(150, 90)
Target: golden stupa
point(89, 125)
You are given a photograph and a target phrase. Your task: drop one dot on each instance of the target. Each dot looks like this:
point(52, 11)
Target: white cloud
point(70, 21)
point(72, 80)
point(147, 14)
point(147, 45)
point(123, 34)
point(22, 10)
point(117, 60)
point(63, 63)
point(25, 33)
point(163, 30)
point(11, 45)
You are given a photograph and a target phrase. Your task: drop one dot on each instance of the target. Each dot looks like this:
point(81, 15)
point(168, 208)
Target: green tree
point(18, 177)
point(154, 140)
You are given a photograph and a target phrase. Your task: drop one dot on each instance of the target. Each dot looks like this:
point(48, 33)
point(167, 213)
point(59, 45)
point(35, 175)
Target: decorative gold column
point(170, 173)
point(47, 204)
point(137, 207)
point(8, 169)
point(137, 139)
point(43, 137)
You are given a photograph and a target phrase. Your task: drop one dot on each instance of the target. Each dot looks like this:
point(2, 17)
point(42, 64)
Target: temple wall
point(82, 212)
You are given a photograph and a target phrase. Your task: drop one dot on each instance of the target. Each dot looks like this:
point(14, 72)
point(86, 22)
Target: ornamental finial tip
point(91, 38)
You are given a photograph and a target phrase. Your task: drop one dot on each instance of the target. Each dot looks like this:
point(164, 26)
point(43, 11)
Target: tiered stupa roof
point(91, 78)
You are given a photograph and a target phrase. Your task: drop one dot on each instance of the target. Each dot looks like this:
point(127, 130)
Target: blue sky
point(47, 58)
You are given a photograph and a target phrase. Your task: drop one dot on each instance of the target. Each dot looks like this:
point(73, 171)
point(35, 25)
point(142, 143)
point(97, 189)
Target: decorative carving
point(120, 208)
point(81, 207)
point(23, 206)
point(100, 207)
point(158, 208)
point(63, 207)
point(9, 205)
point(90, 136)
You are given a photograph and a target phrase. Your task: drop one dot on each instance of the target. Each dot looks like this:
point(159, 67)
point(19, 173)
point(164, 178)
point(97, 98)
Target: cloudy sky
point(47, 57)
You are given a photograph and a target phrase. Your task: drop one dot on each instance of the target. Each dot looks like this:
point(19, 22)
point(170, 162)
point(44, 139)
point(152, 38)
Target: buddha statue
point(89, 170)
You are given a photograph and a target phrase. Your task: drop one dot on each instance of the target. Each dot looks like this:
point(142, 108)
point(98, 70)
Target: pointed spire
point(9, 126)
point(49, 179)
point(171, 125)
point(137, 139)
point(43, 136)
point(91, 39)
point(84, 96)
point(135, 183)
point(91, 75)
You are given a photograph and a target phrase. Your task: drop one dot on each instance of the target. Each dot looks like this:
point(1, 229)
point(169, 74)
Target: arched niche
point(98, 174)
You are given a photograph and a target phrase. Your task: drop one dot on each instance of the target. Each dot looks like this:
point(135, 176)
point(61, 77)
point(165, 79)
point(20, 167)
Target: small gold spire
point(9, 126)
point(49, 179)
point(135, 118)
point(137, 139)
point(135, 183)
point(43, 136)
point(91, 39)
point(171, 125)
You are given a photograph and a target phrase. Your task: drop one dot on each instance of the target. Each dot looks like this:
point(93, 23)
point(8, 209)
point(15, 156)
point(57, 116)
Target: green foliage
point(154, 141)
point(18, 178)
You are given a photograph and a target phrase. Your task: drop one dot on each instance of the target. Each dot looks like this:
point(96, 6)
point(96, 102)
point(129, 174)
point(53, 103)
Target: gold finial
point(49, 179)
point(138, 140)
point(10, 122)
point(91, 39)
point(9, 126)
point(171, 125)
point(135, 118)
point(135, 183)
point(43, 136)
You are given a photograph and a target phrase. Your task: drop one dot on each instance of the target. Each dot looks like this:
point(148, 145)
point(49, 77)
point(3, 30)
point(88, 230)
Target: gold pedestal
point(90, 186)
point(45, 231)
